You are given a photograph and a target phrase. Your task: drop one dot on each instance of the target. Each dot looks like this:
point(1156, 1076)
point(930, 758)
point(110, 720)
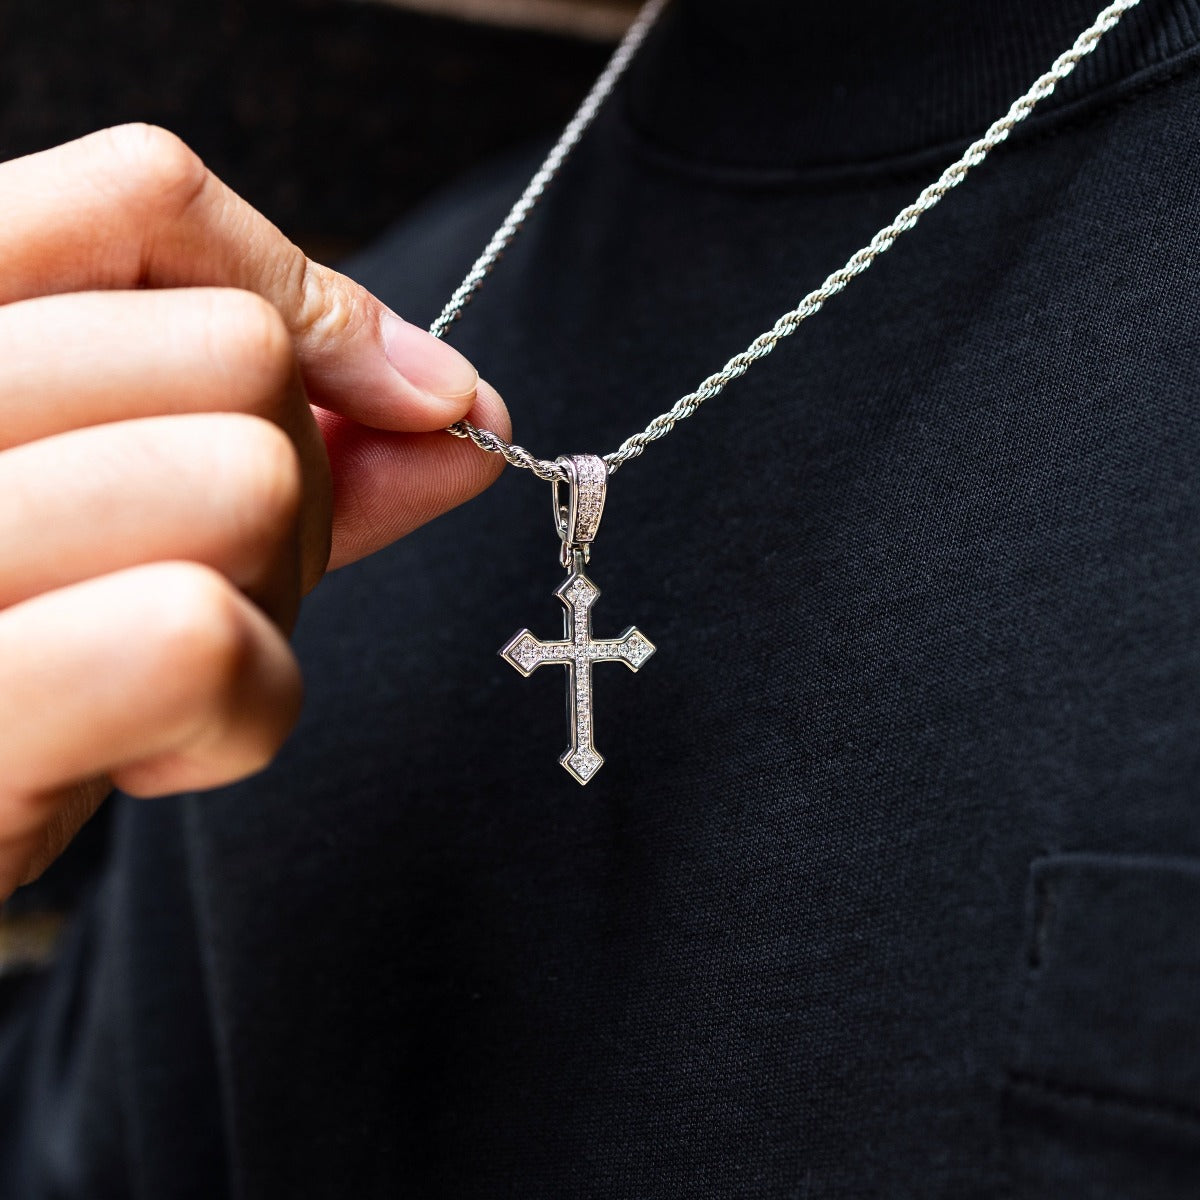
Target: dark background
point(333, 117)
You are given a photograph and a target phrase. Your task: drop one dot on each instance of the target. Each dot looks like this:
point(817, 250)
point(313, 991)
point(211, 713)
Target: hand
point(166, 492)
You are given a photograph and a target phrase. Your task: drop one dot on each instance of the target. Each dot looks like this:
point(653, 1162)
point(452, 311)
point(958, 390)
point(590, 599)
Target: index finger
point(133, 206)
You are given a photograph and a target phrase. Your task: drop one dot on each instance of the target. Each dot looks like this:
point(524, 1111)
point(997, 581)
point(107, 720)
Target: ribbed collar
point(801, 84)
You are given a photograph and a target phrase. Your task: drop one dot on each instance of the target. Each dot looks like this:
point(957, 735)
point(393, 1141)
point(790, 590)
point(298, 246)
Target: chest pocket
point(1103, 1091)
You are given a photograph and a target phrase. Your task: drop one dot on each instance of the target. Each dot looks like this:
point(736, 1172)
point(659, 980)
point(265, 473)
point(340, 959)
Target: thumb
point(134, 207)
point(363, 361)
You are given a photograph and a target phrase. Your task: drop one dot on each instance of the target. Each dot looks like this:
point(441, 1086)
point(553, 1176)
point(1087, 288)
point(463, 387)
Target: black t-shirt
point(889, 884)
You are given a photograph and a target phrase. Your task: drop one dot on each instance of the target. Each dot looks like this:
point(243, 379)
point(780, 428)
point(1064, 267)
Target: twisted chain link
point(787, 324)
point(518, 456)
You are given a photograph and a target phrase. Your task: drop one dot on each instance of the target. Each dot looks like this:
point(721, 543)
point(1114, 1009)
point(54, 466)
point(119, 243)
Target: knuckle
point(274, 480)
point(259, 473)
point(203, 637)
point(327, 304)
point(251, 342)
point(210, 646)
point(222, 715)
point(155, 165)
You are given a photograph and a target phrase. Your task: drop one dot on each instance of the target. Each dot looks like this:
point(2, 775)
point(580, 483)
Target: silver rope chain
point(787, 324)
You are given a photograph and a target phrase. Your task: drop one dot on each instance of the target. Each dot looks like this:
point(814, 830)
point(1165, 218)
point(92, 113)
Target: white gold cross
point(577, 652)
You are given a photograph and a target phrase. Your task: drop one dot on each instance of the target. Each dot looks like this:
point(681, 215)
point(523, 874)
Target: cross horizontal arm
point(632, 648)
point(527, 652)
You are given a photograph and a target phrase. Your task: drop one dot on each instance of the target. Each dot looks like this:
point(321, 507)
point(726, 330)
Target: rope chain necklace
point(585, 476)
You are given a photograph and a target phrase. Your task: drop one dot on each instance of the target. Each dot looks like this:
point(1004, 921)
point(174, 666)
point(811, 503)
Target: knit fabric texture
point(889, 886)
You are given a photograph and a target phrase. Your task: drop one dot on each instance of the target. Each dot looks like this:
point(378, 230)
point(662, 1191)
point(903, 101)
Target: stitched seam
point(1171, 1110)
point(1033, 955)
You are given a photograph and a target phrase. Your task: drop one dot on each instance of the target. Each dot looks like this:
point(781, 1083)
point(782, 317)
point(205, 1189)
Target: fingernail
point(425, 361)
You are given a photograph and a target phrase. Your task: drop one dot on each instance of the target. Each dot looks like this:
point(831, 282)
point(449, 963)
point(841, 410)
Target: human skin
point(196, 422)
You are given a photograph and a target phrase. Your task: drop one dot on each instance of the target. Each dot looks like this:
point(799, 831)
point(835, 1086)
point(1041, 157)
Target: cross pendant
point(579, 650)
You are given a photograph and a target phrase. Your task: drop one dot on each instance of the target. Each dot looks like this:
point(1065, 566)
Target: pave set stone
point(577, 652)
point(584, 764)
point(591, 475)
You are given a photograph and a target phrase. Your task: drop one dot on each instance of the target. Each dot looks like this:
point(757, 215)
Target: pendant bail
point(578, 519)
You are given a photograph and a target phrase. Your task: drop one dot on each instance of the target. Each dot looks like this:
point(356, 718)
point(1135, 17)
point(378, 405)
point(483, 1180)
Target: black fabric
point(767, 85)
point(889, 884)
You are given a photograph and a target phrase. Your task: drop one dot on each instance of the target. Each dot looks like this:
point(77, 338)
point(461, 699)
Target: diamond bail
point(578, 519)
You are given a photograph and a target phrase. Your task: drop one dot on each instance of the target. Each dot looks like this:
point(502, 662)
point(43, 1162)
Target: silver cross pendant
point(577, 522)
